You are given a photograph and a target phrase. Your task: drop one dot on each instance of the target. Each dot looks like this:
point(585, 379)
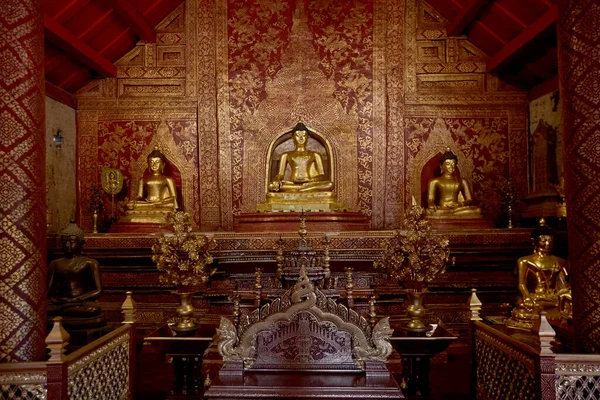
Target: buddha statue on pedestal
point(301, 181)
point(449, 196)
point(156, 194)
point(548, 281)
point(74, 284)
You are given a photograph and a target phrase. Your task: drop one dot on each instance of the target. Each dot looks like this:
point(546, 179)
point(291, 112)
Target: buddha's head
point(300, 134)
point(156, 161)
point(448, 162)
point(72, 239)
point(543, 237)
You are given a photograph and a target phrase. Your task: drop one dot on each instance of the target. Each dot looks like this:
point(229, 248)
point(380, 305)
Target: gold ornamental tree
point(183, 255)
point(413, 257)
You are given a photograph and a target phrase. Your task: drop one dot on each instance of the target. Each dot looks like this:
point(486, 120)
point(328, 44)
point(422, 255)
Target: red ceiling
point(518, 35)
point(84, 37)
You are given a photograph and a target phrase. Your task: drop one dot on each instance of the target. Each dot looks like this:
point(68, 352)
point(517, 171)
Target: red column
point(579, 72)
point(22, 182)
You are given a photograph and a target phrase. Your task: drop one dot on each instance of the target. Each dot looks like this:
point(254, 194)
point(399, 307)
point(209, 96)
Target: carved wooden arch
point(164, 140)
point(368, 344)
point(312, 134)
point(440, 139)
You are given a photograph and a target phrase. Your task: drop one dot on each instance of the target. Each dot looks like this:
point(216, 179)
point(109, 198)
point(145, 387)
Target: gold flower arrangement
point(414, 256)
point(183, 255)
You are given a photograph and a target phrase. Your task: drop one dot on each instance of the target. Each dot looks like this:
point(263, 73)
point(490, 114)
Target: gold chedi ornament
point(413, 257)
point(185, 258)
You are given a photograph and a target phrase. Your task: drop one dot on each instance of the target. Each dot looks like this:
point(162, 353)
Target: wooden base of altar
point(303, 386)
point(460, 223)
point(137, 227)
point(289, 221)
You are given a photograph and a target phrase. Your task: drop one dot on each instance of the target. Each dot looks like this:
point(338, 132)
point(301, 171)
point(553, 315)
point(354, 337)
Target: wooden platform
point(290, 221)
point(303, 385)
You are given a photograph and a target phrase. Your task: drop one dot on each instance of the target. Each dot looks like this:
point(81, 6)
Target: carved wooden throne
point(304, 345)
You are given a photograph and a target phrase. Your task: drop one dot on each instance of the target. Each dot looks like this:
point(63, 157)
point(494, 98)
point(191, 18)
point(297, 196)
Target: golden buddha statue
point(74, 283)
point(306, 186)
point(549, 289)
point(449, 196)
point(156, 194)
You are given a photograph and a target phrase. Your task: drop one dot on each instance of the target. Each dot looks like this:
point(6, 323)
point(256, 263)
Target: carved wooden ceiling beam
point(466, 16)
point(131, 17)
point(61, 95)
point(68, 42)
point(537, 28)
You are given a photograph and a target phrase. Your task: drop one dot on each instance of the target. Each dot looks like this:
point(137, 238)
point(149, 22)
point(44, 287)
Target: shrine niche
point(482, 153)
point(299, 172)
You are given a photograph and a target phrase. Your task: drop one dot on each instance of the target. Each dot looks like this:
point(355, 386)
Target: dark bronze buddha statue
point(74, 283)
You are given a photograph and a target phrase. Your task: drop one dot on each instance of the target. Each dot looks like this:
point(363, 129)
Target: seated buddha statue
point(74, 284)
point(449, 196)
point(156, 194)
point(547, 276)
point(306, 186)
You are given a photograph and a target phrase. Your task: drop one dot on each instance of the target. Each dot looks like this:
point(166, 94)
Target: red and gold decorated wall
point(378, 78)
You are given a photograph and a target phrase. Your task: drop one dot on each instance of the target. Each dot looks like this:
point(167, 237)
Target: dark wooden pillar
point(579, 72)
point(22, 182)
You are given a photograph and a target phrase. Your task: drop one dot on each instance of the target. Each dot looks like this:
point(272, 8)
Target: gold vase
point(416, 312)
point(186, 324)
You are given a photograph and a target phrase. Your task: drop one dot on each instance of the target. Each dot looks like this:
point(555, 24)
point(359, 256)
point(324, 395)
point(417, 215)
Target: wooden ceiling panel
point(484, 39)
point(86, 36)
point(87, 18)
point(68, 66)
point(76, 80)
point(120, 47)
point(159, 10)
point(104, 39)
point(503, 25)
point(519, 36)
point(447, 9)
point(69, 8)
point(528, 14)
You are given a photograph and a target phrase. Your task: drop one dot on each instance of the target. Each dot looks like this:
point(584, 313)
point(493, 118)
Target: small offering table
point(416, 352)
point(186, 354)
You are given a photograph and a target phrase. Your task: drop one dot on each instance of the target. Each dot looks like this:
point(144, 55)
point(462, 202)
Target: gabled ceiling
point(84, 38)
point(519, 36)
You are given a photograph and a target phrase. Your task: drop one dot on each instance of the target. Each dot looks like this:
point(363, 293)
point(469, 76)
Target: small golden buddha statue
point(74, 283)
point(156, 194)
point(449, 196)
point(307, 186)
point(550, 287)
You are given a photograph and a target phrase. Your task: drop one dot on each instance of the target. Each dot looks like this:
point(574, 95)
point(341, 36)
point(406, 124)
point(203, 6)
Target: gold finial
point(542, 221)
point(302, 231)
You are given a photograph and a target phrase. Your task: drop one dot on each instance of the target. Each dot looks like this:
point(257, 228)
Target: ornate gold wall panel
point(249, 70)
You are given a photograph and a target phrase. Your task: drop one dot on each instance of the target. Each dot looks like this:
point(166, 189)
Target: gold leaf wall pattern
point(363, 70)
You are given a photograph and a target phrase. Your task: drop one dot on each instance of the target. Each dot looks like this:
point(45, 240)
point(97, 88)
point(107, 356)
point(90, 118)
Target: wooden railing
point(101, 370)
point(504, 368)
point(523, 366)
